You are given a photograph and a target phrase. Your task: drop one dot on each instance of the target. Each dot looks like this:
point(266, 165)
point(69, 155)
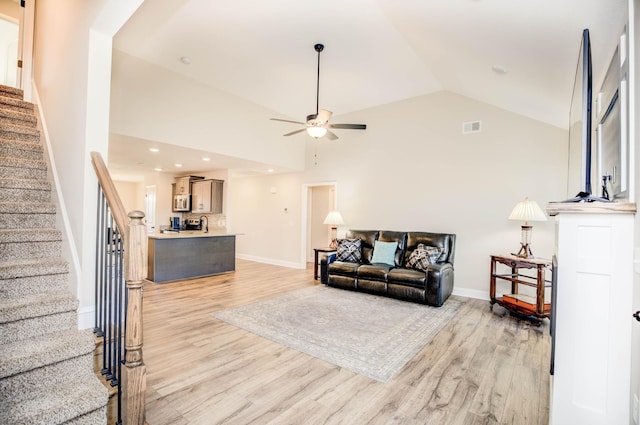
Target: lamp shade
point(316, 132)
point(527, 211)
point(333, 218)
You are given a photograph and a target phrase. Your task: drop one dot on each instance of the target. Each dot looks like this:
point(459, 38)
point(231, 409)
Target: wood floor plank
point(479, 369)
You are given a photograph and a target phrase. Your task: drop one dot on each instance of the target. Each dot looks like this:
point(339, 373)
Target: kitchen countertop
point(189, 234)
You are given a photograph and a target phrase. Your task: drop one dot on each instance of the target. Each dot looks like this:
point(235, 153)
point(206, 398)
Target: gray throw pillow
point(349, 250)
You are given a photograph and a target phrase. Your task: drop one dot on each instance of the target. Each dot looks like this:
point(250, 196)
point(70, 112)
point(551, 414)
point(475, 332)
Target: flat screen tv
point(580, 116)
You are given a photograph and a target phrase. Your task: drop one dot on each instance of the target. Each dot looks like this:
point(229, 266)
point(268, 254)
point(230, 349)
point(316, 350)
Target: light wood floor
point(483, 368)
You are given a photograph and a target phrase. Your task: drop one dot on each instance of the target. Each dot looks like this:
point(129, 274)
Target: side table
point(317, 251)
point(531, 308)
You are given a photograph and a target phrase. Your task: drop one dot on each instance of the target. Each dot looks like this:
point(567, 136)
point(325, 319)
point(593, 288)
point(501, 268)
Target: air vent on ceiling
point(471, 127)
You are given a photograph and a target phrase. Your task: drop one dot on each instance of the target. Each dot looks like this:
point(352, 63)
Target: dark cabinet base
point(183, 258)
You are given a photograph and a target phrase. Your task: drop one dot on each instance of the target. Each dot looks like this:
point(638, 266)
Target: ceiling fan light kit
point(317, 125)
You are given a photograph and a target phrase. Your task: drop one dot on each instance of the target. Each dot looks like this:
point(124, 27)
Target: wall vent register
point(471, 127)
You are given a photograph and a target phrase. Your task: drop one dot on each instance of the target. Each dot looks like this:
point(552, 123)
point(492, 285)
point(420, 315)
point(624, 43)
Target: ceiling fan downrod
point(319, 48)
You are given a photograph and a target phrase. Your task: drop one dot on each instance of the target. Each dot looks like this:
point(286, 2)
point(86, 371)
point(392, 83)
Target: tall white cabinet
point(593, 314)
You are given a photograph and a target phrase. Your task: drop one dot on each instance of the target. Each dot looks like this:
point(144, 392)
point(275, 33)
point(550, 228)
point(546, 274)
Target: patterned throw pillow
point(423, 256)
point(349, 250)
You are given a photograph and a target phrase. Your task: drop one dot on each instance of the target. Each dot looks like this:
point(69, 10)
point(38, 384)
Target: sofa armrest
point(325, 260)
point(439, 283)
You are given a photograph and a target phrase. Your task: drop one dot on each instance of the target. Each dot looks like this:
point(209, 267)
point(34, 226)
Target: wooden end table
point(527, 307)
point(315, 258)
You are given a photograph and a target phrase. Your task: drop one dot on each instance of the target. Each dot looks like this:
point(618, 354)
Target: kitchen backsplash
point(217, 222)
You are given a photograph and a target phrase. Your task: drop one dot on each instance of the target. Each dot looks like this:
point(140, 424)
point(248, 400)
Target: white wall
point(153, 103)
point(10, 8)
point(413, 169)
point(72, 56)
point(131, 195)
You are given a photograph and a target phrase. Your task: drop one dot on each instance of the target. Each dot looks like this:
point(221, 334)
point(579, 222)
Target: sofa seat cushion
point(343, 268)
point(410, 277)
point(374, 271)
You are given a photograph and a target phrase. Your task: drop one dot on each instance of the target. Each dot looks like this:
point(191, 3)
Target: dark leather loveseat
point(431, 286)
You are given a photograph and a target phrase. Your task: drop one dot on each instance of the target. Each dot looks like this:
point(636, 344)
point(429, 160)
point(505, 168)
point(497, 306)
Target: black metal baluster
point(96, 328)
point(104, 285)
point(121, 326)
point(109, 306)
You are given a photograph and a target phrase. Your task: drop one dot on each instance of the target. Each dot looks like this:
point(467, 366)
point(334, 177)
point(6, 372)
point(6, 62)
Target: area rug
point(371, 335)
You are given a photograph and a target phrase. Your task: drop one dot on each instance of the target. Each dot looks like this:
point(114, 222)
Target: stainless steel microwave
point(182, 203)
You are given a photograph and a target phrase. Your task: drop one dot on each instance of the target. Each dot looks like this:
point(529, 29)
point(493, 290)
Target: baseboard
point(86, 317)
point(471, 293)
point(290, 264)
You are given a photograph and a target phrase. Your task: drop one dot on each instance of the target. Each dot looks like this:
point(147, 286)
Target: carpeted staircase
point(46, 363)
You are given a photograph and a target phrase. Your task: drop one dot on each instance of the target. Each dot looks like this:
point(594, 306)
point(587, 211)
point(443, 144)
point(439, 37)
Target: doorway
point(8, 52)
point(150, 208)
point(318, 199)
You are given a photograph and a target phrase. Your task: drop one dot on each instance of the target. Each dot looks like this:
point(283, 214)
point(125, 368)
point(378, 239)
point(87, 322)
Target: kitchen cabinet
point(182, 185)
point(207, 196)
point(201, 197)
point(185, 255)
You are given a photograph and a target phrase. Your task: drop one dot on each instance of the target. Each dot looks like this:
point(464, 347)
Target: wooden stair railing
point(132, 377)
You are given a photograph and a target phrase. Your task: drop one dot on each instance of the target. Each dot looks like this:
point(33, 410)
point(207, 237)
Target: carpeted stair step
point(36, 315)
point(25, 190)
point(15, 215)
point(37, 326)
point(23, 356)
point(14, 104)
point(19, 133)
point(9, 91)
point(18, 149)
point(29, 277)
point(64, 392)
point(13, 309)
point(18, 168)
point(24, 244)
point(9, 117)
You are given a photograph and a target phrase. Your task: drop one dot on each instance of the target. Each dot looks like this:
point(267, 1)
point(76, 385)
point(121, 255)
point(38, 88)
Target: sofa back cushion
point(368, 238)
point(446, 241)
point(400, 238)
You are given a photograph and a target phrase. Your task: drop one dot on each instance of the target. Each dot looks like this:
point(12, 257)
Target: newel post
point(134, 373)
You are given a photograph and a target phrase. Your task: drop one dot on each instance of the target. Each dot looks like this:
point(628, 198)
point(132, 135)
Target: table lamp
point(334, 219)
point(526, 211)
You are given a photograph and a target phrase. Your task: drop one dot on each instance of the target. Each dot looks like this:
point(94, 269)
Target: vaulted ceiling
point(519, 55)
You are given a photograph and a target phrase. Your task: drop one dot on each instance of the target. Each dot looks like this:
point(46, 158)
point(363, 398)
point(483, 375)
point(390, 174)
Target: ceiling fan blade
point(295, 132)
point(324, 115)
point(331, 135)
point(349, 126)
point(293, 122)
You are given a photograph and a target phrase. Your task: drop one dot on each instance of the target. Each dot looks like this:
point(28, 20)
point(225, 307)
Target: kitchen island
point(189, 254)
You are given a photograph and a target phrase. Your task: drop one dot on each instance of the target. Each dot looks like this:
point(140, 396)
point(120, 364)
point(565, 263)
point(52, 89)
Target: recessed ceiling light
point(157, 169)
point(185, 60)
point(499, 69)
point(206, 159)
point(177, 164)
point(154, 150)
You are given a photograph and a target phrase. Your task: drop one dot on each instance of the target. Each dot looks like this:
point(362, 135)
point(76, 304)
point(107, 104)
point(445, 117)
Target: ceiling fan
point(317, 125)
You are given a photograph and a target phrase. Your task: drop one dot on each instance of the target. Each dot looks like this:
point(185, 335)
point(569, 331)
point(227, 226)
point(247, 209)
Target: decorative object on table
point(526, 211)
point(333, 219)
point(370, 335)
point(529, 307)
point(317, 125)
